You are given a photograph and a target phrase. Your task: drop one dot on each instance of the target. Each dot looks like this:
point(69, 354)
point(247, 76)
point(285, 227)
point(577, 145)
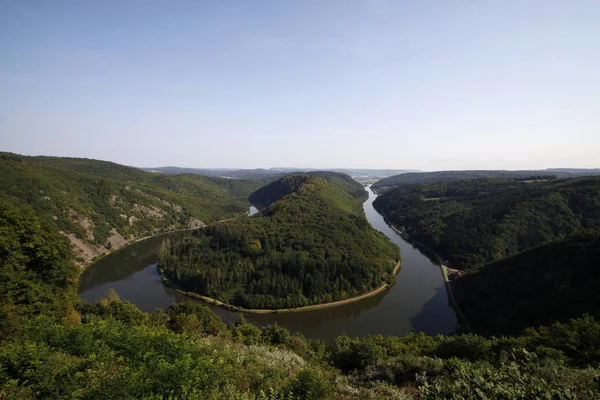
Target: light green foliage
point(89, 197)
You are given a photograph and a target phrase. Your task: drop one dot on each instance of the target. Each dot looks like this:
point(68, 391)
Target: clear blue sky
point(326, 83)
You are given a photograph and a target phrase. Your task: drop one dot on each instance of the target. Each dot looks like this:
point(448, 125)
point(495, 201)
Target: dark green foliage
point(69, 194)
point(475, 222)
point(579, 339)
point(310, 385)
point(122, 311)
point(37, 272)
point(557, 362)
point(245, 332)
point(447, 176)
point(311, 245)
point(553, 282)
point(274, 334)
point(190, 317)
point(491, 227)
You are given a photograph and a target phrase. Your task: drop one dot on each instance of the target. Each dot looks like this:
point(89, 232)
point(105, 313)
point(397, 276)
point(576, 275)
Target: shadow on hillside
point(430, 321)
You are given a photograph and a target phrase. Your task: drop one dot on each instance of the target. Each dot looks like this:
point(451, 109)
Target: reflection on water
point(417, 302)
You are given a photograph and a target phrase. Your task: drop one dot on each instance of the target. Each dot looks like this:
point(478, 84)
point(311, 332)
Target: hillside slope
point(312, 244)
point(553, 282)
point(100, 205)
point(475, 222)
point(291, 183)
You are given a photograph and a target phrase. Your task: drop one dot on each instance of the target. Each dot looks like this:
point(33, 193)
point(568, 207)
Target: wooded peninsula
point(310, 244)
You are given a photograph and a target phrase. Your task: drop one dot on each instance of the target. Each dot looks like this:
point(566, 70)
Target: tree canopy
point(311, 244)
point(474, 222)
point(96, 200)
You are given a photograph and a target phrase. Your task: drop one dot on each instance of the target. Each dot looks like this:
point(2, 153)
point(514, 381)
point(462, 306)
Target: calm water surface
point(417, 302)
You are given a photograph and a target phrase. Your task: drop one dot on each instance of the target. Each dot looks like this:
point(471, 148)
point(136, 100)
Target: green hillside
point(531, 248)
point(55, 347)
point(447, 176)
point(311, 244)
point(553, 282)
point(291, 183)
point(101, 204)
point(475, 222)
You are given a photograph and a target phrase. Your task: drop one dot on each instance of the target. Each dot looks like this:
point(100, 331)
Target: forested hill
point(292, 183)
point(312, 244)
point(446, 176)
point(100, 204)
point(531, 249)
point(474, 222)
point(553, 282)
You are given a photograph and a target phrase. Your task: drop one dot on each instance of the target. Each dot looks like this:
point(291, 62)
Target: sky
point(419, 84)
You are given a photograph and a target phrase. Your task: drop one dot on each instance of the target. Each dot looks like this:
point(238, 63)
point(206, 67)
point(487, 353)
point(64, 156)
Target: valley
point(330, 305)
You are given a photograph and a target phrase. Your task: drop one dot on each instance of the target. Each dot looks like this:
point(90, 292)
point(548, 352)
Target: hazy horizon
point(309, 84)
point(300, 168)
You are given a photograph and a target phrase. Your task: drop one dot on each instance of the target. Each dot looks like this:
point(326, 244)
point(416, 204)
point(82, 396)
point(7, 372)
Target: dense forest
point(311, 244)
point(474, 222)
point(448, 176)
point(53, 346)
point(548, 283)
point(102, 205)
point(530, 247)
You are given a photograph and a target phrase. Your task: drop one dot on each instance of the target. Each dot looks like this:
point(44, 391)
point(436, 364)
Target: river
point(417, 302)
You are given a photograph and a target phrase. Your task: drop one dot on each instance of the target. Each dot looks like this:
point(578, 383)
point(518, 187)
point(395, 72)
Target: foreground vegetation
point(101, 205)
point(311, 244)
point(531, 248)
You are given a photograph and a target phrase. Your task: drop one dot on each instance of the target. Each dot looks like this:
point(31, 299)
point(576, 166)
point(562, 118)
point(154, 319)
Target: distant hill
point(258, 174)
point(271, 174)
point(101, 205)
point(446, 176)
point(553, 282)
point(474, 222)
point(311, 244)
point(282, 187)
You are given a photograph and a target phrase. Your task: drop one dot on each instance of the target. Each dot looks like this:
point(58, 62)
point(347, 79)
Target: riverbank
point(94, 260)
point(314, 307)
point(461, 317)
point(99, 257)
point(462, 320)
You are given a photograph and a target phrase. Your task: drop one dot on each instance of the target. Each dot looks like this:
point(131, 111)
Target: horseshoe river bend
point(418, 301)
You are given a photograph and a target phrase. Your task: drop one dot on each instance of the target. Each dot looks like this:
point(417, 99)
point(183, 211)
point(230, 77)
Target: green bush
point(310, 385)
